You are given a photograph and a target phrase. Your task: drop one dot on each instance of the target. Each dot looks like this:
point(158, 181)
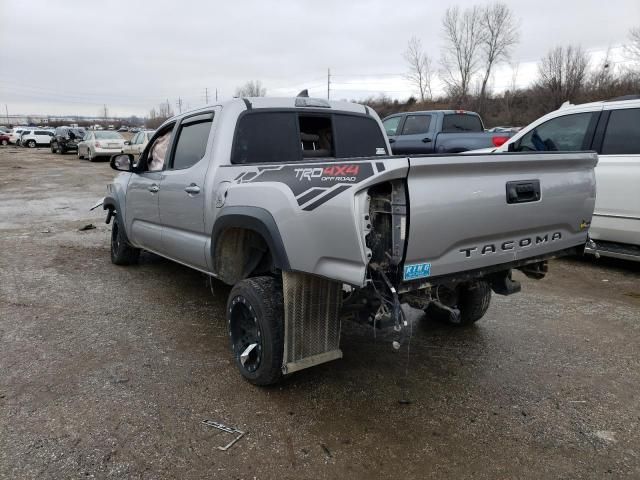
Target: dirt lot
point(108, 371)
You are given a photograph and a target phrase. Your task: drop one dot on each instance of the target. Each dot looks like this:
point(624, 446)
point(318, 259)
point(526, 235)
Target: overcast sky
point(71, 57)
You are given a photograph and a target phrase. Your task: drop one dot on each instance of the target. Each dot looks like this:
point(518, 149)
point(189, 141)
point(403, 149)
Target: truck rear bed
point(469, 212)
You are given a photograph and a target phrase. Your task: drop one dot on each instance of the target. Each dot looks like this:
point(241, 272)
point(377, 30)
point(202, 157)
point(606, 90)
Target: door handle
point(426, 140)
point(523, 191)
point(192, 189)
point(392, 140)
point(153, 188)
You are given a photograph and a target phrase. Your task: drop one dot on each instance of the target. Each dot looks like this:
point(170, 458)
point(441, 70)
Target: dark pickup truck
point(439, 131)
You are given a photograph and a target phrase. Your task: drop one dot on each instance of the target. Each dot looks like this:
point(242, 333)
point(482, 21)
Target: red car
point(4, 138)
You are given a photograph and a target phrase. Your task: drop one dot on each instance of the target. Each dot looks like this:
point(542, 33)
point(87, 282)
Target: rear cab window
point(461, 122)
point(292, 135)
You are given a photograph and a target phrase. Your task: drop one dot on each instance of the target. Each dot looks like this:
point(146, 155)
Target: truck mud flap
point(311, 321)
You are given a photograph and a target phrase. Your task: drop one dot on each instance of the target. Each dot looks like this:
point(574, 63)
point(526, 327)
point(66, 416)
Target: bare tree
point(601, 81)
point(463, 37)
point(157, 117)
point(511, 93)
point(632, 49)
point(499, 36)
point(562, 73)
point(420, 71)
point(253, 88)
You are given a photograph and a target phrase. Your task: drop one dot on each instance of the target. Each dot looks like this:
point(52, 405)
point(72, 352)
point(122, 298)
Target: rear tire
point(31, 144)
point(471, 299)
point(5, 143)
point(53, 149)
point(122, 253)
point(90, 157)
point(255, 316)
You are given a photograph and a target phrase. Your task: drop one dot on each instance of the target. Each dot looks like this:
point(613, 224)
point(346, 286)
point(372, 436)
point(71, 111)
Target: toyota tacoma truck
point(439, 131)
point(299, 206)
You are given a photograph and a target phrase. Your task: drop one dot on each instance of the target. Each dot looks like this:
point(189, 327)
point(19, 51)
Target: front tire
point(31, 144)
point(5, 143)
point(122, 253)
point(255, 318)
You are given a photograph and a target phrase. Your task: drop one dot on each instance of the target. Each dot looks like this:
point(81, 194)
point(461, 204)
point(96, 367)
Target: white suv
point(611, 128)
point(33, 137)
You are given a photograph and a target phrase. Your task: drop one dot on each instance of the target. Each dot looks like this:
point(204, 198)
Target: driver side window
point(155, 156)
point(566, 133)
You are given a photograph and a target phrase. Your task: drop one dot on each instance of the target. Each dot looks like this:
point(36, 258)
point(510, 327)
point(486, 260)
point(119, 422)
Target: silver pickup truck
point(298, 204)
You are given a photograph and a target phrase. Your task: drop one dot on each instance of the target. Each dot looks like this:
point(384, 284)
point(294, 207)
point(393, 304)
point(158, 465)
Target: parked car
point(611, 128)
point(439, 131)
point(135, 130)
point(100, 144)
point(14, 135)
point(289, 199)
point(5, 138)
point(33, 137)
point(137, 144)
point(66, 139)
point(123, 129)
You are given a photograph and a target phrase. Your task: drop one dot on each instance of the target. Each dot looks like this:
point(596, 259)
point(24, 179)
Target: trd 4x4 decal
point(314, 184)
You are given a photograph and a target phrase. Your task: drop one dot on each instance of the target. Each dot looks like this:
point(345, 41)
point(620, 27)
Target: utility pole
point(206, 96)
point(6, 110)
point(105, 112)
point(216, 95)
point(179, 102)
point(328, 83)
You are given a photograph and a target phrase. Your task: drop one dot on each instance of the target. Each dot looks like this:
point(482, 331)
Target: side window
point(358, 136)
point(192, 142)
point(623, 133)
point(567, 133)
point(154, 155)
point(416, 124)
point(391, 125)
point(41, 132)
point(266, 137)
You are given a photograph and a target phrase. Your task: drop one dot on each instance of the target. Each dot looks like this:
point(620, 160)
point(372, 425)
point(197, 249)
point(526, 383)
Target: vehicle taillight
point(98, 144)
point(499, 141)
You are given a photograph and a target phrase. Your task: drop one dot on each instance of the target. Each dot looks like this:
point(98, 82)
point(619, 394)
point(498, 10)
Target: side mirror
point(511, 147)
point(122, 162)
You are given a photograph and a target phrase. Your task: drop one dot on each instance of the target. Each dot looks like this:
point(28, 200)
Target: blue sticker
point(418, 270)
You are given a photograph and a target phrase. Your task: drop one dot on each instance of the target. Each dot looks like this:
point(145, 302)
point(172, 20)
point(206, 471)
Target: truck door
point(142, 215)
point(182, 196)
point(617, 214)
point(416, 137)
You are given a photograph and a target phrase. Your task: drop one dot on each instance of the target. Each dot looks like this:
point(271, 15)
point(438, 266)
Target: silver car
point(100, 144)
point(136, 145)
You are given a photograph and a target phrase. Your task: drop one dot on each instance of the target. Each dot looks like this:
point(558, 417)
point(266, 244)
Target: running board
point(613, 250)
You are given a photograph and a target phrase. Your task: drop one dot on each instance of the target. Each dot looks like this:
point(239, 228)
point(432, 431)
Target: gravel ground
point(109, 371)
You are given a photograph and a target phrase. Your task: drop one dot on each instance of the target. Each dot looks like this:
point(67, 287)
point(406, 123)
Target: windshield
point(108, 136)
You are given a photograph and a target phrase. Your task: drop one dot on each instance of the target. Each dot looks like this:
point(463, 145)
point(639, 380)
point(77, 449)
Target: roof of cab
point(283, 102)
